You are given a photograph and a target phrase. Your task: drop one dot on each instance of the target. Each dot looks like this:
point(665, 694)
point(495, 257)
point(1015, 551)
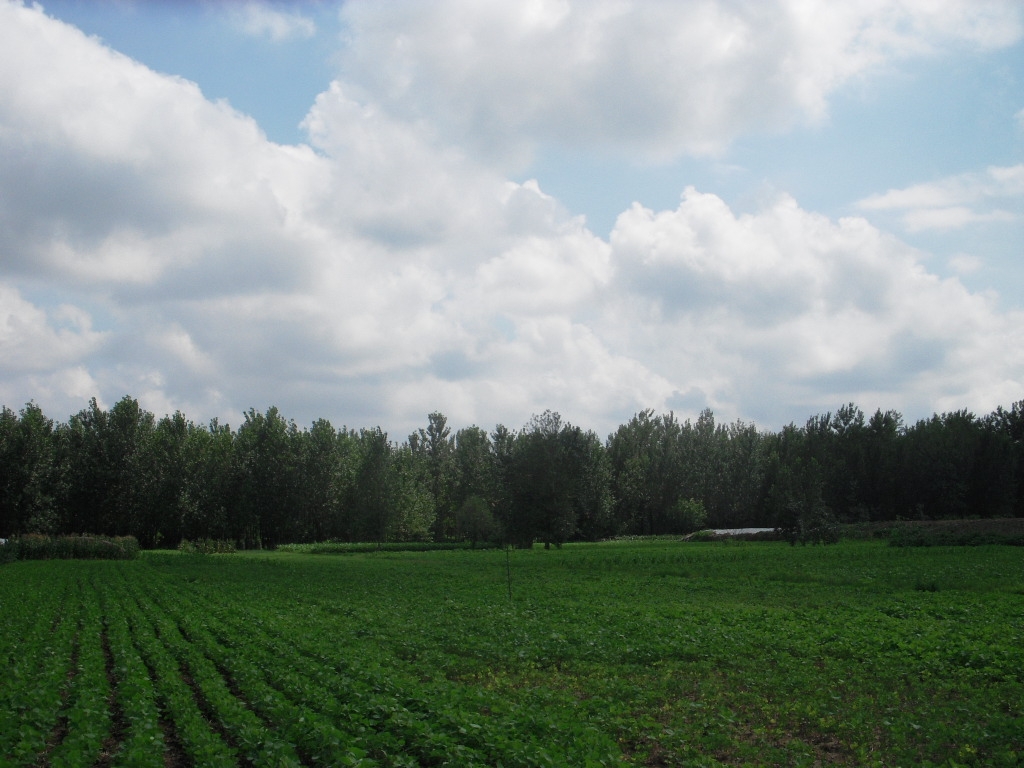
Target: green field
point(646, 653)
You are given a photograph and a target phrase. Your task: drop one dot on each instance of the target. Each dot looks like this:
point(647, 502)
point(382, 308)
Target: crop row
point(111, 668)
point(371, 714)
point(605, 655)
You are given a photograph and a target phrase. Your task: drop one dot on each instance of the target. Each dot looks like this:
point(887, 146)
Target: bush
point(812, 523)
point(206, 547)
point(34, 546)
point(348, 548)
point(688, 515)
point(954, 533)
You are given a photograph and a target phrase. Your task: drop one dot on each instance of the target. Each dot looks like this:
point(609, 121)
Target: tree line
point(122, 472)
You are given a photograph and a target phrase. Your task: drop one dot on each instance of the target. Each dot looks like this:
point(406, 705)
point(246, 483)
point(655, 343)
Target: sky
point(367, 212)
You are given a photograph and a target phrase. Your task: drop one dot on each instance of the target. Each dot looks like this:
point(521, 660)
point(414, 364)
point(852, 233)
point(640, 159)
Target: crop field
point(625, 653)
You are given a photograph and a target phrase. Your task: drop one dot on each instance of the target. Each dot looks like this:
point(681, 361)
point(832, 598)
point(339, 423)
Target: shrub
point(954, 533)
point(347, 548)
point(34, 546)
point(206, 546)
point(812, 523)
point(688, 515)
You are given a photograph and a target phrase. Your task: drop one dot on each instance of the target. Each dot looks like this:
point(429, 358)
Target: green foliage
point(949, 533)
point(688, 516)
point(206, 547)
point(120, 471)
point(474, 521)
point(85, 547)
point(632, 652)
point(353, 547)
point(557, 483)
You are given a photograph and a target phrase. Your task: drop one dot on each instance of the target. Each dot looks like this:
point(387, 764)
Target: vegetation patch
point(206, 547)
point(644, 652)
point(941, 533)
point(35, 546)
point(347, 548)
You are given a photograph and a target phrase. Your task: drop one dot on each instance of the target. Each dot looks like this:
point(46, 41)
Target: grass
point(621, 653)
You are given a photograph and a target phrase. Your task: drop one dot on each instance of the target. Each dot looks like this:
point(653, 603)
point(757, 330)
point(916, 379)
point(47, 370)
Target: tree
point(266, 462)
point(326, 472)
point(503, 442)
point(170, 503)
point(211, 489)
point(474, 467)
point(633, 453)
point(795, 497)
point(541, 503)
point(111, 470)
point(589, 475)
point(374, 491)
point(10, 516)
point(879, 488)
point(557, 478)
point(743, 459)
point(1010, 424)
point(435, 446)
point(29, 473)
point(413, 516)
point(938, 462)
point(474, 521)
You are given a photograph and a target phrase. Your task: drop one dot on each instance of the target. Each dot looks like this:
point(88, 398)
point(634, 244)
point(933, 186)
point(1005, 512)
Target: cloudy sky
point(369, 211)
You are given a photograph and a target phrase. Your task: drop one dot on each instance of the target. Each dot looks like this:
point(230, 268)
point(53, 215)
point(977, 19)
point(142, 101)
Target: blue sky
point(372, 211)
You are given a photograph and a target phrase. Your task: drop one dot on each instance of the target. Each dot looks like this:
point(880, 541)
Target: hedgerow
point(35, 546)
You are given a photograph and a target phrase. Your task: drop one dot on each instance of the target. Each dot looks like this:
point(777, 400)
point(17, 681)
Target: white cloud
point(658, 78)
point(955, 201)
point(264, 20)
point(965, 263)
point(46, 353)
point(383, 274)
point(953, 217)
point(785, 307)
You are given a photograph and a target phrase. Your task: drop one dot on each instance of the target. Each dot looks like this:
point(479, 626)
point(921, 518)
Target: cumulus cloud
point(785, 307)
point(264, 20)
point(46, 352)
point(382, 272)
point(955, 201)
point(658, 79)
